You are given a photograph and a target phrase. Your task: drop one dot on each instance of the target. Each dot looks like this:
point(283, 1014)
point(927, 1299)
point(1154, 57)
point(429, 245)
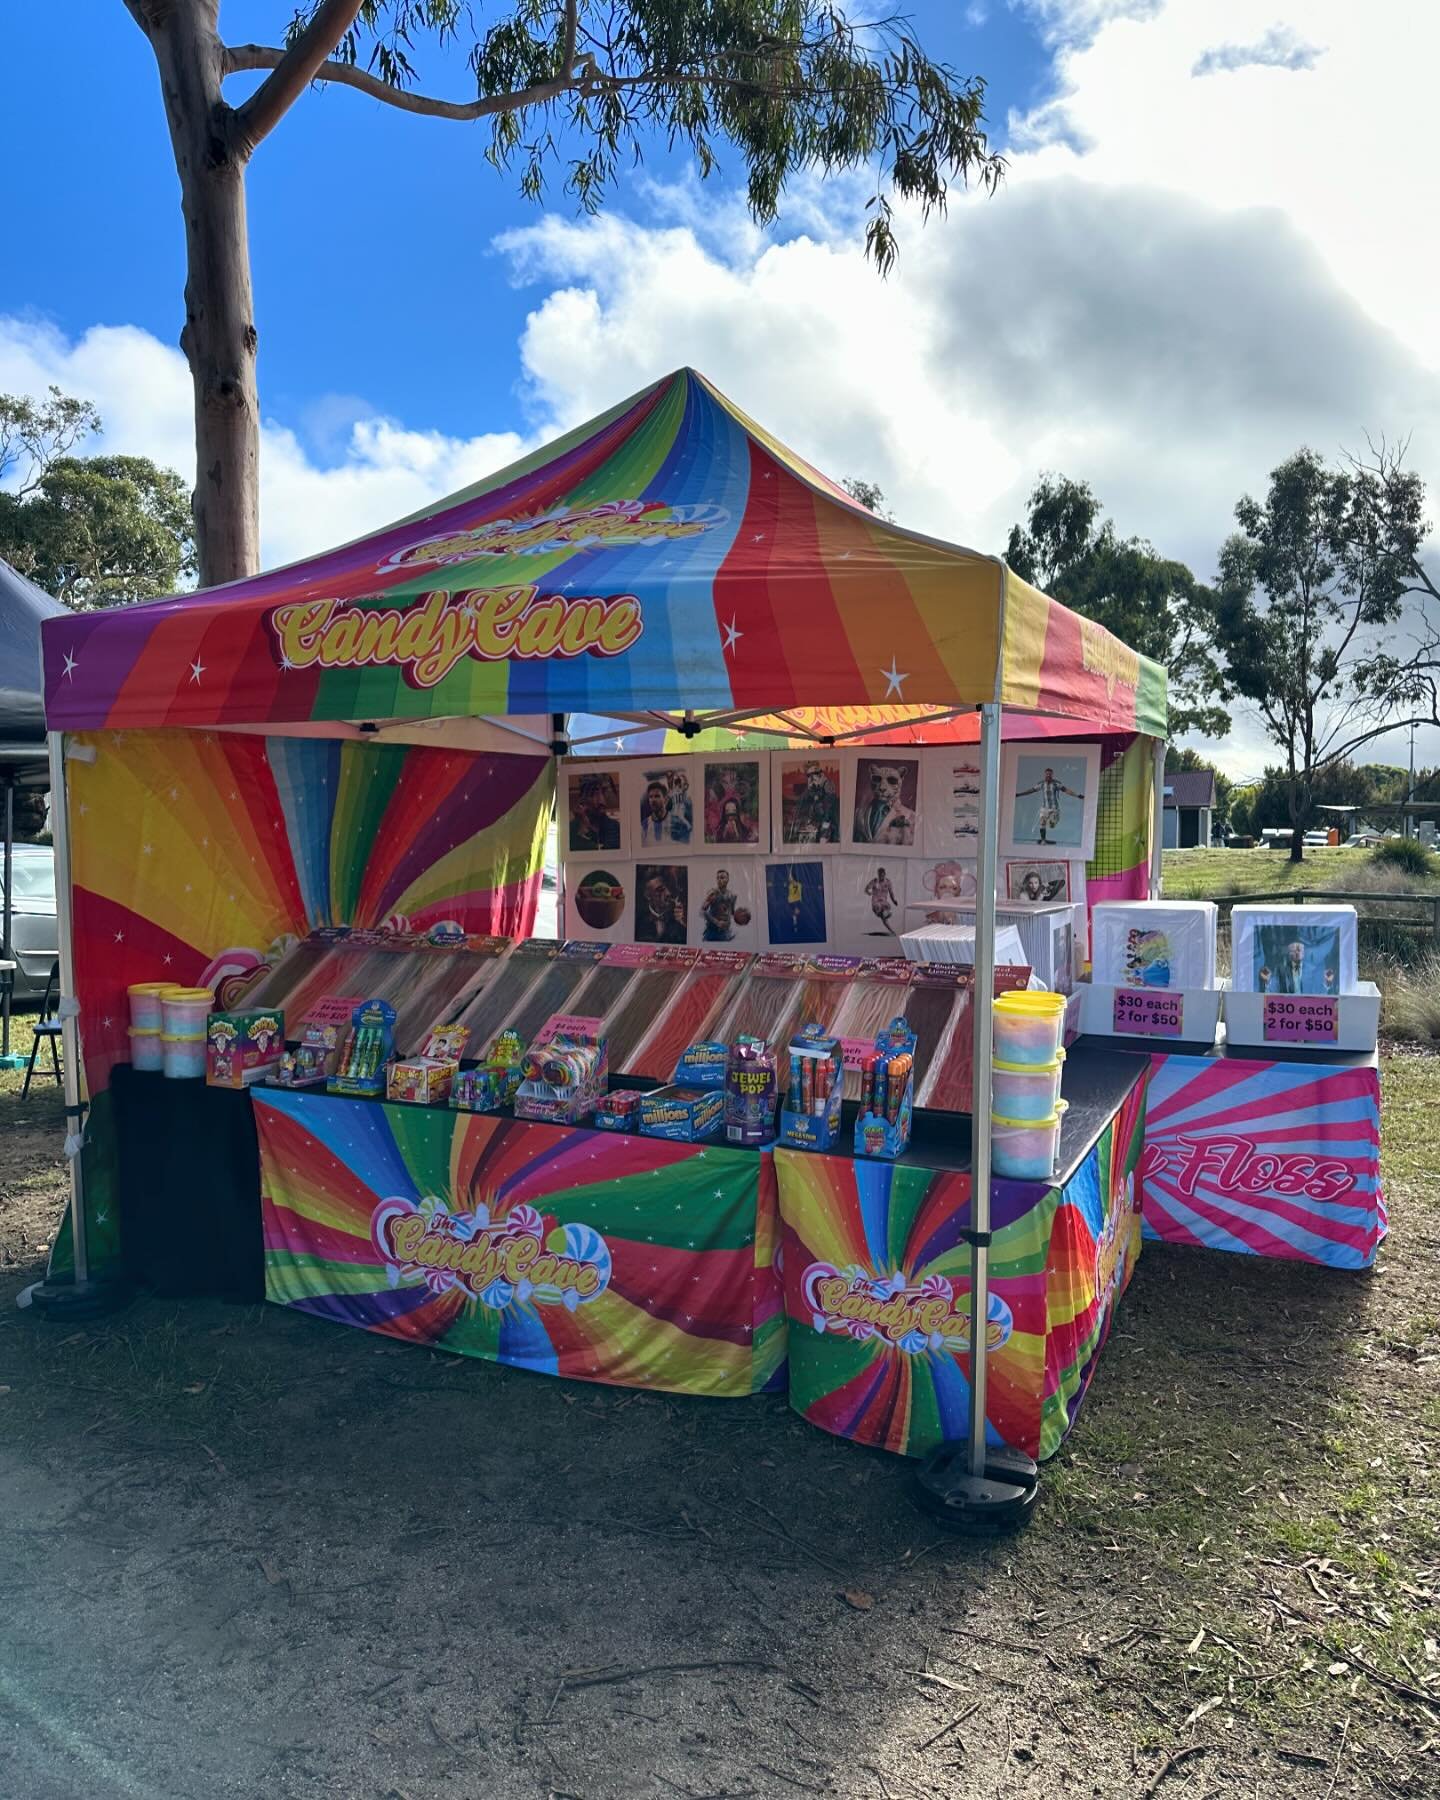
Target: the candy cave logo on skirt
point(930, 1314)
point(518, 1260)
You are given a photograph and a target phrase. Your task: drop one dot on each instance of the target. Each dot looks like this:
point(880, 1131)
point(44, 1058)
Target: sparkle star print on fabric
point(668, 554)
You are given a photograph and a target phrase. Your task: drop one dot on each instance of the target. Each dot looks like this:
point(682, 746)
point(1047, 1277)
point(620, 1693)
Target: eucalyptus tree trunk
point(218, 338)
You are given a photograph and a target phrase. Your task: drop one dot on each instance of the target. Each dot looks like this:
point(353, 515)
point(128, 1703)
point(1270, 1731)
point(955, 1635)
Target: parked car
point(34, 929)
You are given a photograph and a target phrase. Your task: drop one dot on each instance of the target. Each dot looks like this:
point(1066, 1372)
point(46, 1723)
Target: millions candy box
point(684, 1114)
point(367, 1050)
point(702, 1065)
point(425, 1079)
point(887, 1091)
point(752, 1087)
point(1153, 943)
point(561, 1079)
point(241, 1047)
point(810, 1118)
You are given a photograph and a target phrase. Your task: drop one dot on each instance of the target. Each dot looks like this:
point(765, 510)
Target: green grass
point(1220, 874)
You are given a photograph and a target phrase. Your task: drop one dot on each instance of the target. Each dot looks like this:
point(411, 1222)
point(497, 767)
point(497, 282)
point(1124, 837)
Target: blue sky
point(1188, 273)
point(370, 230)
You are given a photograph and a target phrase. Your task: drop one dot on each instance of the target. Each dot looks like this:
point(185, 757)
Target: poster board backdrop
point(727, 901)
point(883, 806)
point(734, 801)
point(590, 803)
point(950, 801)
point(200, 856)
point(660, 802)
point(600, 902)
point(602, 1256)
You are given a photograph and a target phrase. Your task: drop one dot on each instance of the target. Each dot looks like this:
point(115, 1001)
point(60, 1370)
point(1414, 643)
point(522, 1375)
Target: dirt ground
point(245, 1553)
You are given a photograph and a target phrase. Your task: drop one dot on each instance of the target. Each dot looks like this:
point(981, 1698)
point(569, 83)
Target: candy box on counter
point(685, 1115)
point(367, 1050)
point(810, 1117)
point(619, 1110)
point(702, 1065)
point(752, 1089)
point(561, 1079)
point(493, 1083)
point(425, 1079)
point(243, 1047)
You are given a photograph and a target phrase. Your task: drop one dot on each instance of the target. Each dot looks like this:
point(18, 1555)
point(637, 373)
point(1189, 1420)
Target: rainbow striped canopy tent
point(667, 563)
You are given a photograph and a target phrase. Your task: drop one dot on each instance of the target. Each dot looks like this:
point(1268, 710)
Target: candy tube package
point(751, 1092)
point(645, 998)
point(950, 1080)
point(767, 1004)
point(493, 1005)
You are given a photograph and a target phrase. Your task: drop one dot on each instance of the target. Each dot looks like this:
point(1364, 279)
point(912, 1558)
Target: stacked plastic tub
point(1025, 1106)
point(167, 1028)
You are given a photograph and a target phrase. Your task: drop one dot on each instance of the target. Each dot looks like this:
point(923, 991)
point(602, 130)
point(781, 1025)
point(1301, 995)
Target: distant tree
point(868, 495)
point(1152, 603)
point(1177, 760)
point(1317, 567)
point(92, 530)
point(1361, 785)
point(575, 85)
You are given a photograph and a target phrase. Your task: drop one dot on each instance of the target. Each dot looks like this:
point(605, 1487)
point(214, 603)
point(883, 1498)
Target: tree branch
point(293, 71)
point(572, 73)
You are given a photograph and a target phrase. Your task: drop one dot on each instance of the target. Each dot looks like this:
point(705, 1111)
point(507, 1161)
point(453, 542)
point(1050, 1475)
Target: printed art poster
point(1037, 880)
point(662, 903)
point(1050, 793)
point(598, 901)
point(868, 903)
point(725, 902)
point(809, 799)
point(664, 804)
point(593, 821)
point(951, 811)
point(733, 802)
point(1296, 959)
point(795, 904)
point(885, 800)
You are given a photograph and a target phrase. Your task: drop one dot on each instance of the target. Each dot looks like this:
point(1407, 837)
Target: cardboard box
point(684, 1115)
point(243, 1047)
point(1153, 944)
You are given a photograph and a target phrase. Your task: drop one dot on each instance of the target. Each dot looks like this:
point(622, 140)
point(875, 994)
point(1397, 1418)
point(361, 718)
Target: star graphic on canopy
point(894, 680)
point(70, 663)
point(197, 669)
point(733, 635)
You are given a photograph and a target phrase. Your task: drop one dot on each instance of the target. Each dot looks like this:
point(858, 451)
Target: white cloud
point(141, 389)
point(1211, 248)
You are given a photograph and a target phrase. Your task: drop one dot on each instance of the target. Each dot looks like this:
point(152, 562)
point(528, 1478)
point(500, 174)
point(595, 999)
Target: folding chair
point(47, 1026)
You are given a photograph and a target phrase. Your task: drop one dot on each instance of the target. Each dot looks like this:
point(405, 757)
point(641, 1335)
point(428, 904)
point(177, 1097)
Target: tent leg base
point(62, 1300)
point(988, 1505)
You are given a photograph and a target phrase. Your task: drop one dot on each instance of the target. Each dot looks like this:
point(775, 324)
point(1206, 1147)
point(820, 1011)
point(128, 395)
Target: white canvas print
point(726, 902)
point(661, 805)
point(1049, 795)
point(732, 807)
point(599, 902)
point(950, 801)
point(867, 905)
point(882, 801)
point(807, 799)
point(592, 820)
point(940, 882)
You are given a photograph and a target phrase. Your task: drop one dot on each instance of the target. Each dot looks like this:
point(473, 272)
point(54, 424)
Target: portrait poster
point(867, 900)
point(1049, 794)
point(599, 902)
point(882, 801)
point(1037, 879)
point(1295, 959)
point(796, 910)
point(807, 799)
point(735, 801)
point(950, 801)
point(662, 903)
point(943, 881)
point(594, 818)
point(726, 902)
point(661, 805)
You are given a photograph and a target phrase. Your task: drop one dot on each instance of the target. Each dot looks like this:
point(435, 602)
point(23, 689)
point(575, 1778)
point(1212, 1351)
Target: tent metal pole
point(1157, 828)
point(7, 952)
point(982, 1011)
point(70, 1027)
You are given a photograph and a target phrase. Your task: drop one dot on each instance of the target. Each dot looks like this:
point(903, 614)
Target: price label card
point(1143, 1012)
point(333, 1009)
point(1302, 1019)
point(575, 1025)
